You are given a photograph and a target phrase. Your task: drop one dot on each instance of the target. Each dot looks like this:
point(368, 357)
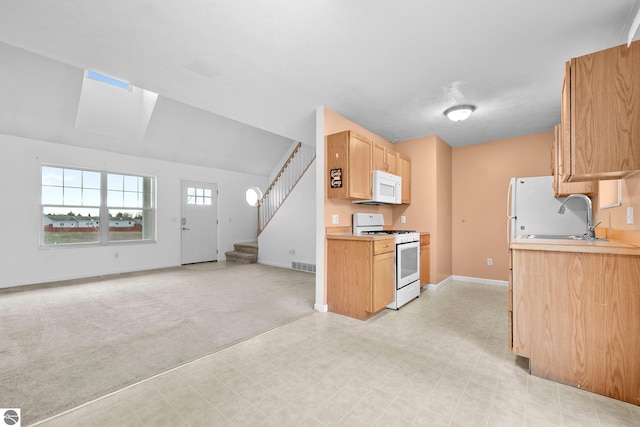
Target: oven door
point(407, 263)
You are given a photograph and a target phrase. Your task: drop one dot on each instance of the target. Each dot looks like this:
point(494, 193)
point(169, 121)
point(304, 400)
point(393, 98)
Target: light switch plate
point(630, 215)
point(335, 219)
point(403, 219)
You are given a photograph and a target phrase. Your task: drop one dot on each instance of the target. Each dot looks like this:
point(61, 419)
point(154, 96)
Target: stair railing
point(292, 170)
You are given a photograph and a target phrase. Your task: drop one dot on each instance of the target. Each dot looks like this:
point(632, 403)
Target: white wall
point(293, 227)
point(23, 262)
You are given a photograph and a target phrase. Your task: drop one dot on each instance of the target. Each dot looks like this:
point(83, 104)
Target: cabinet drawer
point(382, 246)
point(425, 239)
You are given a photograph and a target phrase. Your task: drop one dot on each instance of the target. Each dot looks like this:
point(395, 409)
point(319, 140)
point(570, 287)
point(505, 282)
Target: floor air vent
point(303, 266)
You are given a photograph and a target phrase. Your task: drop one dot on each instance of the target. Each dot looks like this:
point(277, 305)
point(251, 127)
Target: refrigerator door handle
point(509, 208)
point(510, 196)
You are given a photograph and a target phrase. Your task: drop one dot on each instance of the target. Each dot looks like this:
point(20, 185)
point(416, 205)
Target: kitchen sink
point(561, 237)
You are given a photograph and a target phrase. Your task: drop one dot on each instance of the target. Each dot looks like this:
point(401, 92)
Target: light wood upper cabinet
point(349, 160)
point(385, 159)
point(404, 170)
point(560, 188)
point(600, 121)
point(360, 276)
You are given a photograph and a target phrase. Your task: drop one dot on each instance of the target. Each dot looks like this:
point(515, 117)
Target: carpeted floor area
point(68, 343)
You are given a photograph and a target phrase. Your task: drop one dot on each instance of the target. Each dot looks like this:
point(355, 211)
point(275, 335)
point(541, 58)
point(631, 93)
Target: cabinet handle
point(385, 246)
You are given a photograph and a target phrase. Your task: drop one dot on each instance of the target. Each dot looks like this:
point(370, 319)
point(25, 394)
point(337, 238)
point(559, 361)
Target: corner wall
point(430, 208)
point(290, 235)
point(481, 174)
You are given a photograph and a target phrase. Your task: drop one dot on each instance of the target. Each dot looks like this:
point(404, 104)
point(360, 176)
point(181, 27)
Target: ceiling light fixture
point(459, 113)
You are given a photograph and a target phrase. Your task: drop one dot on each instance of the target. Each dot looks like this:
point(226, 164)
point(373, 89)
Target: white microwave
point(386, 189)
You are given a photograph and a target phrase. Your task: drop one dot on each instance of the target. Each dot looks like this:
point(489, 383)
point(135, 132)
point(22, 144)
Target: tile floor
point(441, 360)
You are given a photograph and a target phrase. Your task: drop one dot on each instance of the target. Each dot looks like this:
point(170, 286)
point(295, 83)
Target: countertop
point(367, 237)
point(351, 236)
point(586, 246)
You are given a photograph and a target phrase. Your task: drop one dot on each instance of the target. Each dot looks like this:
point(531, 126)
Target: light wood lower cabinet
point(576, 316)
point(425, 270)
point(510, 305)
point(360, 276)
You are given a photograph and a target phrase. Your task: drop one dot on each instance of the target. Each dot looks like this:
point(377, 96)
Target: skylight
point(108, 80)
point(107, 109)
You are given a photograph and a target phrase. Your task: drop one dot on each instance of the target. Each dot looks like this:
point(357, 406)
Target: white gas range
point(407, 265)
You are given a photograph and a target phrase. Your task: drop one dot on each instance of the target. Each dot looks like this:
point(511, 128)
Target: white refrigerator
point(533, 209)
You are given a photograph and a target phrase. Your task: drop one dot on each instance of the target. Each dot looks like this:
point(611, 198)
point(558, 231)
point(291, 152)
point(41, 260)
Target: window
point(253, 196)
point(198, 196)
point(76, 202)
point(108, 80)
point(129, 201)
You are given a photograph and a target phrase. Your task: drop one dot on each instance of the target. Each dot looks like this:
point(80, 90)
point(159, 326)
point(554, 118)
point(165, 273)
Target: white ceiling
point(391, 66)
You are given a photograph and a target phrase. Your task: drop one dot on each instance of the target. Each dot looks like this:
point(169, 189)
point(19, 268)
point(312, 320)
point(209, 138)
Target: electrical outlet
point(630, 215)
point(403, 219)
point(335, 219)
point(489, 261)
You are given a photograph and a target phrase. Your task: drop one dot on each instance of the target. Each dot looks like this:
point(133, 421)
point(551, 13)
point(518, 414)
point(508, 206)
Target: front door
point(199, 222)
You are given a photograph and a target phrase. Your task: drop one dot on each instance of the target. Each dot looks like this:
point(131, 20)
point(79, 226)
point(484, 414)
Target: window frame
point(103, 209)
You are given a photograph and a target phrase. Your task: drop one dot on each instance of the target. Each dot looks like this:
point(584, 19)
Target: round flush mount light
point(459, 113)
point(253, 195)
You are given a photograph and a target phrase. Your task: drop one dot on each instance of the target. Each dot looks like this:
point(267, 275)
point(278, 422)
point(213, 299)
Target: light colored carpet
point(66, 344)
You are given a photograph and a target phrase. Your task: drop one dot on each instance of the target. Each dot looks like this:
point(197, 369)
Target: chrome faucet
point(591, 229)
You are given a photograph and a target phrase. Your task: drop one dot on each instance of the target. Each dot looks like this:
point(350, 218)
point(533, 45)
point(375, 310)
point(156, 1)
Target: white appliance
point(386, 189)
point(533, 209)
point(407, 255)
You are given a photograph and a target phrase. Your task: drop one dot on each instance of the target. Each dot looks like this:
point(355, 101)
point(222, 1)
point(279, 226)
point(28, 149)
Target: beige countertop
point(351, 236)
point(586, 246)
point(369, 237)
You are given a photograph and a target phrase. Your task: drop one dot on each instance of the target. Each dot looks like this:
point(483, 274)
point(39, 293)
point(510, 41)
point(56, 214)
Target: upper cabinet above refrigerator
point(600, 102)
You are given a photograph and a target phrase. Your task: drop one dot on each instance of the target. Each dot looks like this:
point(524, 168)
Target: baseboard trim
point(440, 285)
point(481, 280)
point(323, 308)
point(274, 264)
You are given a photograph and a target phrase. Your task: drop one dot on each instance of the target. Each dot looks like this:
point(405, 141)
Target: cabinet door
point(349, 157)
point(404, 170)
point(349, 277)
point(564, 135)
point(392, 161)
point(605, 100)
point(510, 307)
point(379, 157)
point(382, 290)
point(560, 188)
point(425, 270)
point(385, 159)
point(359, 167)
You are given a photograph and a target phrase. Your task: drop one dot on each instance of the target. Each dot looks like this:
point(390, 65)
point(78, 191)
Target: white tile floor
point(441, 360)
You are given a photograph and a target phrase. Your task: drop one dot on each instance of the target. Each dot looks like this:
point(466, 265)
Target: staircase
point(294, 167)
point(243, 253)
